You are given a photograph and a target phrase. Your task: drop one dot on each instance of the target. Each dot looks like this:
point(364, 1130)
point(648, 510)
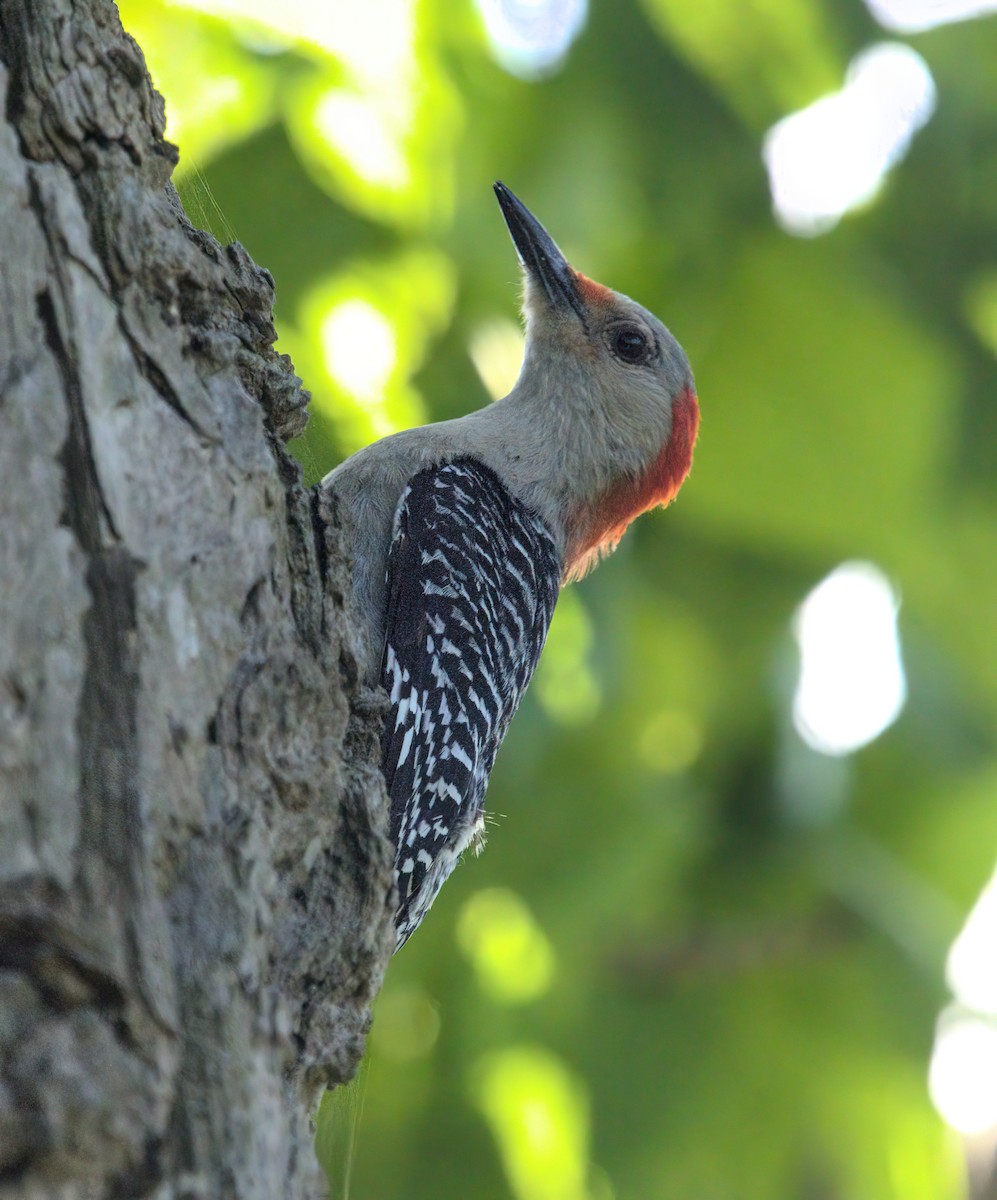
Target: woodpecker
point(463, 533)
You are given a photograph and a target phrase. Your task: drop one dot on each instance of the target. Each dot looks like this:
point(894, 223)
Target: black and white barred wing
point(472, 581)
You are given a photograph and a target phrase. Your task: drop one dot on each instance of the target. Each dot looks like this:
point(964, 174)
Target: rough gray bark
point(193, 862)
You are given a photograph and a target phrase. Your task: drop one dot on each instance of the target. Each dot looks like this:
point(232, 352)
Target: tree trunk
point(194, 870)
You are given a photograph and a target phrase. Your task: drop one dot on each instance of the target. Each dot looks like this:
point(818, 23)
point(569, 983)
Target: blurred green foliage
point(698, 959)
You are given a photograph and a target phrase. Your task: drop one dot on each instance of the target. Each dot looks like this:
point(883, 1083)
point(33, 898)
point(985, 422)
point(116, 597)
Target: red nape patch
point(591, 292)
point(625, 501)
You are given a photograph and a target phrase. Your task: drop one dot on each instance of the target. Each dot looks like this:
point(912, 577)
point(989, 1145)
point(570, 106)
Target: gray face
point(631, 344)
point(627, 347)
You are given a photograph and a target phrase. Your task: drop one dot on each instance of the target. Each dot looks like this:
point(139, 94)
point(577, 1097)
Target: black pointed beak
point(539, 254)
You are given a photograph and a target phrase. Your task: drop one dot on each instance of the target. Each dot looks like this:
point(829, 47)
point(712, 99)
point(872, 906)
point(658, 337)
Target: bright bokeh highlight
point(510, 953)
point(963, 1075)
point(971, 970)
point(538, 1114)
point(373, 38)
point(360, 353)
point(832, 157)
point(360, 336)
point(530, 38)
point(379, 146)
point(364, 135)
point(359, 346)
point(496, 349)
point(372, 124)
point(852, 683)
point(914, 16)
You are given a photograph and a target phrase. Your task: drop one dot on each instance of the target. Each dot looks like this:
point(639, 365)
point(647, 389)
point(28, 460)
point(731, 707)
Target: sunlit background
point(735, 932)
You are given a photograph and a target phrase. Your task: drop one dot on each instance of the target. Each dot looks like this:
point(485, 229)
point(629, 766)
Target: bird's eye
point(630, 344)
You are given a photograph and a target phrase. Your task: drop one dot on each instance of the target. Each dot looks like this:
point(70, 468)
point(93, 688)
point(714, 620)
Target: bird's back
point(473, 576)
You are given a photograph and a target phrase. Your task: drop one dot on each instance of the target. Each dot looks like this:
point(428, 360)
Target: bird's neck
point(593, 529)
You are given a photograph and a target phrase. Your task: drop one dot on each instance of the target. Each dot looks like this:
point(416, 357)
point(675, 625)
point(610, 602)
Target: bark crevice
point(194, 867)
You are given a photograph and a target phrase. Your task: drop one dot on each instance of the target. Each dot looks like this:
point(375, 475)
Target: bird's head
point(624, 382)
